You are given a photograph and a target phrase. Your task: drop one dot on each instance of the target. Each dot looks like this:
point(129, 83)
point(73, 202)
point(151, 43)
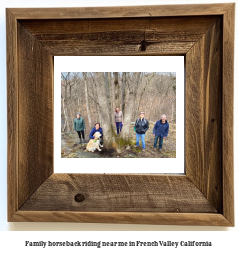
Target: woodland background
point(96, 95)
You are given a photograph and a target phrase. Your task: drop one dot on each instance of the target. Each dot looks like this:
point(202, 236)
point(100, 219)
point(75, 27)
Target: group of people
point(160, 130)
point(79, 127)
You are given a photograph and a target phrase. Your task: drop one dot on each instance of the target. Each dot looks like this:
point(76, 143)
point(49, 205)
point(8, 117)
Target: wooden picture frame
point(204, 34)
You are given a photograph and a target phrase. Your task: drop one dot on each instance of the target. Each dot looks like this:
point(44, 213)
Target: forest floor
point(70, 147)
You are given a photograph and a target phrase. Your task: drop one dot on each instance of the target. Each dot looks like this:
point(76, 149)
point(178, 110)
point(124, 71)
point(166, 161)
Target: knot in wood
point(143, 45)
point(79, 198)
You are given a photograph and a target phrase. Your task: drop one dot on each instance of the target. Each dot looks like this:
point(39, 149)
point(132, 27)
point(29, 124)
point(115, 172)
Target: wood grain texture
point(227, 112)
point(119, 36)
point(203, 121)
point(192, 219)
point(74, 48)
point(12, 114)
point(35, 114)
point(120, 11)
point(77, 26)
point(178, 25)
point(140, 193)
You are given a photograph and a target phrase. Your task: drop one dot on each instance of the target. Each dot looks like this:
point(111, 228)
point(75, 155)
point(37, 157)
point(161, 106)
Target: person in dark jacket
point(79, 127)
point(95, 129)
point(160, 131)
point(141, 126)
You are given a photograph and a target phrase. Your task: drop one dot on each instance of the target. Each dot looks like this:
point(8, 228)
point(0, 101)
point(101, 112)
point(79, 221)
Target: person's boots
point(84, 141)
point(80, 141)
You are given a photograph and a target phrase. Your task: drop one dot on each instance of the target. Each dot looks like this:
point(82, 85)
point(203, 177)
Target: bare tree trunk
point(142, 92)
point(69, 82)
point(65, 116)
point(71, 118)
point(133, 89)
point(78, 104)
point(173, 118)
point(86, 97)
point(108, 133)
point(115, 74)
point(97, 113)
point(112, 92)
point(153, 105)
point(94, 89)
point(66, 109)
point(106, 79)
point(123, 92)
point(95, 102)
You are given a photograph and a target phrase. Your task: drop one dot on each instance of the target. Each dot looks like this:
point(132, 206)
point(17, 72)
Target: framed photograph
point(101, 190)
point(157, 94)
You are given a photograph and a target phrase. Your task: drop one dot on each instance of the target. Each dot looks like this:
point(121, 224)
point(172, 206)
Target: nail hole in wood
point(213, 120)
point(79, 198)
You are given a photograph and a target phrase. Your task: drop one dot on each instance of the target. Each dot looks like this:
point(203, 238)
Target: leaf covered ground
point(70, 147)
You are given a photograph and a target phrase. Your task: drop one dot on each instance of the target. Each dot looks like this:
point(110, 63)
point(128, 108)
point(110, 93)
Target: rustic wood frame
point(203, 33)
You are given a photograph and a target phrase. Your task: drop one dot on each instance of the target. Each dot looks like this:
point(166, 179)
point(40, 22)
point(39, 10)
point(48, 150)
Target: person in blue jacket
point(160, 131)
point(95, 129)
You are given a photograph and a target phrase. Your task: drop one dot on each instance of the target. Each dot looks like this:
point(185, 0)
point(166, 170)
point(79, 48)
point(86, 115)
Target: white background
point(120, 63)
point(224, 241)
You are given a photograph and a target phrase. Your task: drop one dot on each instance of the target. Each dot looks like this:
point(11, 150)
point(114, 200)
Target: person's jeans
point(161, 139)
point(142, 136)
point(119, 126)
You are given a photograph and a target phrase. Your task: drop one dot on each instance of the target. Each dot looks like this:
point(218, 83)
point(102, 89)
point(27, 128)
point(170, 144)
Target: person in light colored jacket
point(118, 119)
